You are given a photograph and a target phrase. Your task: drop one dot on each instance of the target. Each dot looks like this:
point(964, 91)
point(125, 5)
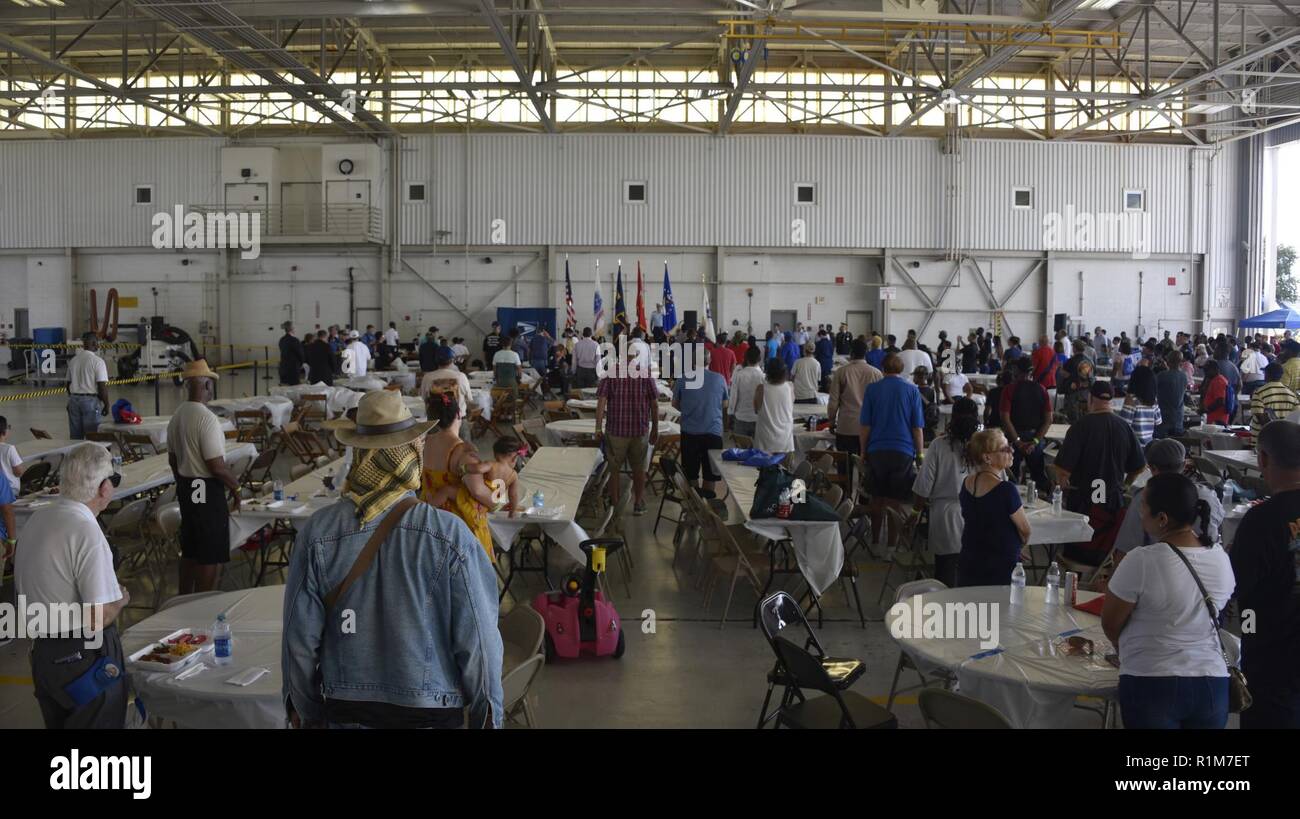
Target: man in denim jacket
point(413, 641)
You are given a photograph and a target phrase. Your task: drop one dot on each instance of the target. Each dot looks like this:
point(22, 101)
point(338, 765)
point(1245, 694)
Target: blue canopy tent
point(1284, 318)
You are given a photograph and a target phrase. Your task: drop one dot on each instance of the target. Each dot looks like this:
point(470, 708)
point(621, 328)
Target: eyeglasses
point(1008, 449)
point(115, 479)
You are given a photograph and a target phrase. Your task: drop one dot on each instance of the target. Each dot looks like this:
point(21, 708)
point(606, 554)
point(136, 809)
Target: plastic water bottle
point(1052, 595)
point(221, 641)
point(1057, 497)
point(1031, 493)
point(279, 490)
point(539, 500)
point(1018, 585)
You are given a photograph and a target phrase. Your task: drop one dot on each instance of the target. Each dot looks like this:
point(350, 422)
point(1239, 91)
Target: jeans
point(83, 416)
point(1173, 702)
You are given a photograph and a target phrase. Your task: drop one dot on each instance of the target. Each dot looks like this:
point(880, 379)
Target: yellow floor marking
point(9, 680)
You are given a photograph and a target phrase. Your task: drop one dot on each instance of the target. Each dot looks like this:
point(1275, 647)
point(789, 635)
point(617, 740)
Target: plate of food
point(172, 653)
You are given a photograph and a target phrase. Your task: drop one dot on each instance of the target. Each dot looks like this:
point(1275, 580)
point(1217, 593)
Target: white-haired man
point(66, 566)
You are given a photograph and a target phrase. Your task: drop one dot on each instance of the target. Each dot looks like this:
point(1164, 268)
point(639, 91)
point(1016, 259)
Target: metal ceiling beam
point(1178, 88)
point(38, 56)
point(489, 12)
point(967, 75)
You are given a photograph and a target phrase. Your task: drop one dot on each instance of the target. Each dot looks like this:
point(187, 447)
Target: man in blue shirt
point(772, 345)
point(892, 425)
point(790, 352)
point(540, 349)
point(825, 355)
point(700, 401)
point(8, 529)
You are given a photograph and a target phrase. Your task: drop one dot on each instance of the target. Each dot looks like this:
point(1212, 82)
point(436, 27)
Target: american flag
point(571, 318)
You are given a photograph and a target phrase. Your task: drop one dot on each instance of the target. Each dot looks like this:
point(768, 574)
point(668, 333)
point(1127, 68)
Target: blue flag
point(620, 308)
point(670, 309)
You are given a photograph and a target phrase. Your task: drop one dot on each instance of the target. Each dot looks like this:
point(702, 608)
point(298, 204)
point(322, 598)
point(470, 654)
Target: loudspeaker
point(1060, 322)
point(690, 319)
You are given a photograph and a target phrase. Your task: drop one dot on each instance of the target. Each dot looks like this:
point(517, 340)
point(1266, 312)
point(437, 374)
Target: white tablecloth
point(1027, 676)
point(407, 378)
point(561, 473)
point(338, 400)
point(818, 548)
point(485, 378)
point(365, 383)
point(1047, 528)
point(43, 449)
point(140, 476)
point(1245, 458)
point(155, 426)
point(206, 700)
point(309, 490)
point(1214, 436)
point(278, 407)
point(557, 432)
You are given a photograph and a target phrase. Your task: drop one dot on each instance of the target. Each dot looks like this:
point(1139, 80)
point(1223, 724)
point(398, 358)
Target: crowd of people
point(412, 484)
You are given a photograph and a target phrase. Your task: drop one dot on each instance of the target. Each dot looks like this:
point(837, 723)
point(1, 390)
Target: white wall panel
point(79, 193)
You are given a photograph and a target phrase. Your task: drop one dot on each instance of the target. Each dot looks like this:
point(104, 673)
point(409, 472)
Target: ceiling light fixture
point(1098, 5)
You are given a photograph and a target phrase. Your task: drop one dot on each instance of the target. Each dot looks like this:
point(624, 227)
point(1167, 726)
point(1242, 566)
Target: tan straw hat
point(383, 420)
point(198, 368)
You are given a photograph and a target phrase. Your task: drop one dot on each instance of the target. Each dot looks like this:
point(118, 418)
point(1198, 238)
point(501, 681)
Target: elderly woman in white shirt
point(938, 483)
point(1172, 671)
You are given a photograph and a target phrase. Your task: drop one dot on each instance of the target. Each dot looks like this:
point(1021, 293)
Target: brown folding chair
point(312, 411)
point(505, 409)
point(39, 434)
point(258, 473)
point(252, 426)
point(136, 446)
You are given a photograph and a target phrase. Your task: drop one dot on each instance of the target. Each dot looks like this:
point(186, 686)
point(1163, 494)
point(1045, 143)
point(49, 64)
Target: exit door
point(786, 318)
point(861, 322)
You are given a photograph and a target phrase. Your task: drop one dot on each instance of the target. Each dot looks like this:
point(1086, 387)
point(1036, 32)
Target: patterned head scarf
point(379, 477)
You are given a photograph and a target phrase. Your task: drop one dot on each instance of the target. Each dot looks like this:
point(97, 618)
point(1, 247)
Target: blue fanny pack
point(100, 677)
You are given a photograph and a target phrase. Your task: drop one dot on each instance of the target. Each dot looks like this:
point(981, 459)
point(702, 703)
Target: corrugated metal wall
point(702, 191)
point(739, 191)
point(79, 193)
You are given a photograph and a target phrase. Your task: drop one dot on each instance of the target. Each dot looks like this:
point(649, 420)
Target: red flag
point(640, 300)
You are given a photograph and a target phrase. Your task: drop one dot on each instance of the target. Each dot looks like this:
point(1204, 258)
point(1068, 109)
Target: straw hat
point(383, 420)
point(198, 368)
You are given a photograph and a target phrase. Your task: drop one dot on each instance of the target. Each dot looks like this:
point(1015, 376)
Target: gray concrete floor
point(689, 673)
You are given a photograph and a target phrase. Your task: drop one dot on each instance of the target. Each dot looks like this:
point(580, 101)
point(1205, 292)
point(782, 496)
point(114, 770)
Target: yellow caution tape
point(45, 393)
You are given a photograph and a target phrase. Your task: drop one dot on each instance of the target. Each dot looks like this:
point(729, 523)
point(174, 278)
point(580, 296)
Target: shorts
point(739, 427)
point(205, 527)
point(619, 451)
point(891, 474)
point(695, 453)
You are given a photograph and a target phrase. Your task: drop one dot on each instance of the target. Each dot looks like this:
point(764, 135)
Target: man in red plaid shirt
point(627, 401)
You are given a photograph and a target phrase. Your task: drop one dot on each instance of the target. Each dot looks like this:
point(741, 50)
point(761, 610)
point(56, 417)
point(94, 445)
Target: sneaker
point(639, 508)
point(706, 494)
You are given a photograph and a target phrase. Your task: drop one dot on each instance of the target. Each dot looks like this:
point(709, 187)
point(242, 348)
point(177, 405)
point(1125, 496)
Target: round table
point(1027, 676)
point(206, 700)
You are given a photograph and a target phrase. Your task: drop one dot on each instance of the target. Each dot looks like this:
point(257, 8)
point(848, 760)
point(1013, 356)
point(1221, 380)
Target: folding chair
point(258, 473)
point(849, 570)
point(312, 411)
point(732, 561)
point(252, 426)
point(667, 468)
point(34, 478)
point(40, 434)
point(906, 592)
point(109, 438)
point(515, 685)
point(837, 709)
point(668, 446)
point(778, 612)
point(906, 554)
point(946, 709)
point(505, 409)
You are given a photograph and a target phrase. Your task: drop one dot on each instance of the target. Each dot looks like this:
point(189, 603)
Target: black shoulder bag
point(1239, 698)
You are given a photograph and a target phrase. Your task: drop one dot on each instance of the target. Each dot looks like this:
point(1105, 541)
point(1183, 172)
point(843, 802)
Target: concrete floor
point(689, 673)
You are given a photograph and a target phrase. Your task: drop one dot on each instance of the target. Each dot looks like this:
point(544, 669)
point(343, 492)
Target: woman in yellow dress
point(452, 476)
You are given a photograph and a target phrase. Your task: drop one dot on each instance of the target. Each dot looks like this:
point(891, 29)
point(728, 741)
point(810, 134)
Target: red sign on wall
point(1173, 281)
